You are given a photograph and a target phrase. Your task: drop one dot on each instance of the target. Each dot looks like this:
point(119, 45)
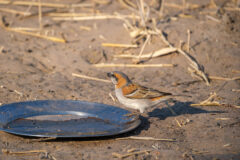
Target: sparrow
point(133, 95)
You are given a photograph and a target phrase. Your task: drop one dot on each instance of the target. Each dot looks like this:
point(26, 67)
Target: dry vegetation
point(142, 38)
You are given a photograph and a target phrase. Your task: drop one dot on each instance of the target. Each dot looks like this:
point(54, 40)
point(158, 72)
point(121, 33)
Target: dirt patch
point(33, 68)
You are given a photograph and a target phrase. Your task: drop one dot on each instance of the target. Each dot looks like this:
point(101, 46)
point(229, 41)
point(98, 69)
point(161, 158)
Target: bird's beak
point(109, 74)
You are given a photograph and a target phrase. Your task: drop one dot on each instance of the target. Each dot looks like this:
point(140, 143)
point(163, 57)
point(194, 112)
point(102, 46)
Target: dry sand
point(33, 68)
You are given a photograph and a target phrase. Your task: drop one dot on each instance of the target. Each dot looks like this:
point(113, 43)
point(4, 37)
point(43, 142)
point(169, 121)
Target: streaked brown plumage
point(133, 95)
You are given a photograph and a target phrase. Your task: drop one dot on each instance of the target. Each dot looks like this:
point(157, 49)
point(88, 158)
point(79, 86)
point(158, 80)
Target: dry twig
point(211, 102)
point(236, 90)
point(25, 29)
point(158, 53)
point(133, 65)
point(40, 13)
point(113, 99)
point(147, 139)
point(119, 45)
point(6, 151)
point(213, 18)
point(132, 150)
point(223, 119)
point(53, 5)
point(14, 11)
point(55, 39)
point(223, 78)
point(178, 123)
point(94, 17)
point(196, 68)
point(143, 47)
point(91, 78)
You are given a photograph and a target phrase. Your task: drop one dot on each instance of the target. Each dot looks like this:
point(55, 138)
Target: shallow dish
point(65, 118)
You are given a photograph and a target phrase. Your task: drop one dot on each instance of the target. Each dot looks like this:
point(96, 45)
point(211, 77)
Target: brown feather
point(140, 92)
point(129, 89)
point(121, 81)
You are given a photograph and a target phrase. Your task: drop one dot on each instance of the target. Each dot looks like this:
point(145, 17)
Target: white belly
point(139, 104)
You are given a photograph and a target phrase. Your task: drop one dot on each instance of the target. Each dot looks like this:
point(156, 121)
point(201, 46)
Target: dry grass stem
point(141, 32)
point(143, 47)
point(232, 8)
point(198, 74)
point(40, 14)
point(161, 8)
point(55, 39)
point(223, 78)
point(160, 52)
point(91, 78)
point(224, 119)
point(227, 145)
point(213, 19)
point(182, 15)
point(132, 150)
point(236, 90)
point(19, 93)
point(42, 139)
point(121, 156)
point(178, 123)
point(113, 99)
point(183, 6)
point(14, 11)
point(85, 28)
point(119, 45)
point(143, 11)
point(56, 14)
point(44, 13)
point(173, 5)
point(1, 49)
point(133, 65)
point(52, 5)
point(210, 101)
point(146, 139)
point(102, 1)
point(6, 151)
point(94, 17)
point(236, 71)
point(25, 29)
point(197, 69)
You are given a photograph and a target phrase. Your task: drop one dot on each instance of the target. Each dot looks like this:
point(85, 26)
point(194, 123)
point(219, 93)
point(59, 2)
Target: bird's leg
point(171, 110)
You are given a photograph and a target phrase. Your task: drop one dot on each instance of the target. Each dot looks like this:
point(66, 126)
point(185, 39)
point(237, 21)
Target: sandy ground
point(33, 68)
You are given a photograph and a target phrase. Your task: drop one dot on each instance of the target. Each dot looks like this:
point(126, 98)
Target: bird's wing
point(135, 91)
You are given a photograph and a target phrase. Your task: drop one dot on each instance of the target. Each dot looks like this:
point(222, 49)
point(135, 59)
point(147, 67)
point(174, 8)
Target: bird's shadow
point(180, 108)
